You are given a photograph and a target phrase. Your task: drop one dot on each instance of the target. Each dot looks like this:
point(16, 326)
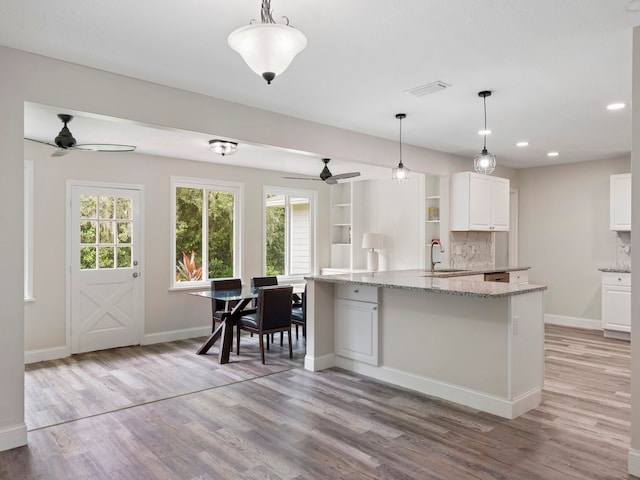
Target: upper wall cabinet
point(479, 202)
point(620, 202)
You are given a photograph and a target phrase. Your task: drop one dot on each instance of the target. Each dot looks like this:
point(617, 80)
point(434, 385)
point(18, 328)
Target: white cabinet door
point(479, 202)
point(620, 202)
point(616, 301)
point(500, 204)
point(356, 330)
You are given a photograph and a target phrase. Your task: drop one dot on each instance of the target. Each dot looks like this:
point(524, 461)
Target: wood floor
point(161, 412)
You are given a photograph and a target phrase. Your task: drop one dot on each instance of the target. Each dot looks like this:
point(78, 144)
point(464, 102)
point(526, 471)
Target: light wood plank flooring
point(161, 412)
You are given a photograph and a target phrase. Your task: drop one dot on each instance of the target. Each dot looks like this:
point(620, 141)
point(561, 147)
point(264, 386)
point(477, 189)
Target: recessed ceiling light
point(616, 106)
point(522, 144)
point(633, 6)
point(484, 132)
point(552, 154)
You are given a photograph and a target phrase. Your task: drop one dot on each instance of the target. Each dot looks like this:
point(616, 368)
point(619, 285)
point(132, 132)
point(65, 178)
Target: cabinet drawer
point(619, 279)
point(360, 293)
point(519, 276)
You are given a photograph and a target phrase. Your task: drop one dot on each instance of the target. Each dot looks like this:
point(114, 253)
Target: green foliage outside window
point(220, 239)
point(275, 249)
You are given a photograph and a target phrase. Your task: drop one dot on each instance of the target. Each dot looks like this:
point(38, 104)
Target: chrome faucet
point(434, 243)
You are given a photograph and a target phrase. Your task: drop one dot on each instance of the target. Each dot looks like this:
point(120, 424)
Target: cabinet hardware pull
point(356, 291)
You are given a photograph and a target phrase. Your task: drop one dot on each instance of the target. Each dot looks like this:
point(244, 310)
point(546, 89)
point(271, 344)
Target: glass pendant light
point(484, 163)
point(267, 47)
point(400, 174)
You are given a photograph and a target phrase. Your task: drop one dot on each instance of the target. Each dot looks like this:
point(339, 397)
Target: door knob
point(135, 274)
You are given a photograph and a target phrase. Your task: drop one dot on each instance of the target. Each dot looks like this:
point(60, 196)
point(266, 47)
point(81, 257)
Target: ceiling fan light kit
point(485, 162)
point(223, 147)
point(400, 174)
point(268, 48)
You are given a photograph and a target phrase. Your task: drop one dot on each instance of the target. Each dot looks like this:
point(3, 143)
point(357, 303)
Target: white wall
point(564, 232)
point(397, 212)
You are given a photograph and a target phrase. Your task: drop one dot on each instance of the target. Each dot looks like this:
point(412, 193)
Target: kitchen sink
point(443, 272)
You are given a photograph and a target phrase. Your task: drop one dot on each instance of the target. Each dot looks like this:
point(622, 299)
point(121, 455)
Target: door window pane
point(106, 207)
point(124, 208)
point(105, 257)
point(88, 205)
point(87, 258)
point(124, 257)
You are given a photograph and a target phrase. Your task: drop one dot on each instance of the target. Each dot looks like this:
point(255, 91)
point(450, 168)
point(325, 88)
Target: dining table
point(240, 299)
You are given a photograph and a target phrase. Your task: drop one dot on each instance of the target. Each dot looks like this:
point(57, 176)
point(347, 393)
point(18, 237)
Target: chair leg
point(268, 335)
point(297, 332)
point(237, 340)
point(304, 330)
point(282, 335)
point(262, 346)
point(290, 346)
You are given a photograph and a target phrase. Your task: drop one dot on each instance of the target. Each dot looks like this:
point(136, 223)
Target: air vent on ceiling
point(427, 89)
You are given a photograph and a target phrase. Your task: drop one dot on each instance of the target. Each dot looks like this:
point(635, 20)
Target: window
point(289, 232)
point(28, 230)
point(206, 231)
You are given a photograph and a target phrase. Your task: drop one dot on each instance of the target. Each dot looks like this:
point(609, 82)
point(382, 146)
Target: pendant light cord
point(265, 12)
point(484, 100)
point(400, 142)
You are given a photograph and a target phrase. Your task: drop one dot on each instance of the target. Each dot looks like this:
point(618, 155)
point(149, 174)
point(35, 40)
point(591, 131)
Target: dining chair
point(273, 314)
point(265, 282)
point(299, 314)
point(218, 307)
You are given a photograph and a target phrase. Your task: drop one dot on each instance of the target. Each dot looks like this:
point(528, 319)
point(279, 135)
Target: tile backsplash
point(623, 249)
point(472, 250)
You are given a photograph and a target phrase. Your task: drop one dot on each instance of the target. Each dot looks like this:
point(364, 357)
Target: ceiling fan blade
point(40, 141)
point(302, 178)
point(60, 152)
point(331, 180)
point(105, 147)
point(342, 176)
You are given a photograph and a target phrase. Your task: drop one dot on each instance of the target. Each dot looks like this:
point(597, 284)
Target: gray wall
point(564, 232)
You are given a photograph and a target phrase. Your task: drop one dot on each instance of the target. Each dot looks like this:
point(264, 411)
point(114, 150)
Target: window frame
point(312, 195)
point(207, 184)
point(28, 230)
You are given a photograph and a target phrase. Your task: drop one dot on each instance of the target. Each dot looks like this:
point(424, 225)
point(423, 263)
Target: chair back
point(275, 305)
point(264, 281)
point(219, 285)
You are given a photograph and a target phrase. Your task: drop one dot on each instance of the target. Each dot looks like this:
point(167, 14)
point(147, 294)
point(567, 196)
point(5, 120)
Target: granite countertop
point(616, 269)
point(421, 280)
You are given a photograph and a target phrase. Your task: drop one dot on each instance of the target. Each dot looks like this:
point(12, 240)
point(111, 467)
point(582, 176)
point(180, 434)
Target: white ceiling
point(553, 66)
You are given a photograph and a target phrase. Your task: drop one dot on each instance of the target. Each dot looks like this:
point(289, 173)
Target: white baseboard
point(12, 437)
point(54, 353)
point(319, 363)
point(471, 398)
point(42, 355)
point(633, 462)
point(173, 335)
point(575, 322)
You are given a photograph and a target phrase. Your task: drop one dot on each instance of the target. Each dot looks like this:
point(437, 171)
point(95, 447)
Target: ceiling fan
point(65, 142)
point(326, 175)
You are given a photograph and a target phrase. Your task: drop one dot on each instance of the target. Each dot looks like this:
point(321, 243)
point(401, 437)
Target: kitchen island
point(450, 334)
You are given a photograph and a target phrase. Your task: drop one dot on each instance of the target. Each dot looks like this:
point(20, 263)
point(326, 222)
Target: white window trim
point(238, 214)
point(28, 231)
point(312, 195)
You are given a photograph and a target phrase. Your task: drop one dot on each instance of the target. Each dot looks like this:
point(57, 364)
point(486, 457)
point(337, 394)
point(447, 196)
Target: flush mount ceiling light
point(267, 47)
point(400, 174)
point(522, 144)
point(223, 147)
point(552, 154)
point(485, 162)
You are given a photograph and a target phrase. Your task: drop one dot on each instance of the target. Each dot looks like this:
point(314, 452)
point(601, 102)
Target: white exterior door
point(106, 291)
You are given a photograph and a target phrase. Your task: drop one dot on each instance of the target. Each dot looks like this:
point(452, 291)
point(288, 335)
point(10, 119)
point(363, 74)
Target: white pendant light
point(485, 162)
point(223, 147)
point(267, 47)
point(400, 174)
